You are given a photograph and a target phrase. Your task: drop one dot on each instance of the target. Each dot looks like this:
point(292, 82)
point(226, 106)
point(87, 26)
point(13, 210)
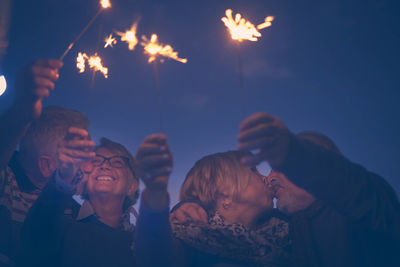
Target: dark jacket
point(359, 212)
point(53, 236)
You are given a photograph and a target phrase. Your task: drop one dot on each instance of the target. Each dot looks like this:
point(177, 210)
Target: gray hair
point(45, 133)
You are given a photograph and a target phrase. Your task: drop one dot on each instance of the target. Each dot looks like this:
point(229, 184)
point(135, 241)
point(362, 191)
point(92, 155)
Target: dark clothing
point(153, 237)
point(53, 236)
point(360, 211)
point(17, 194)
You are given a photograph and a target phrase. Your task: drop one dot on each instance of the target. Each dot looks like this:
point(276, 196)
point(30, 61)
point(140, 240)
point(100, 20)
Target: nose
point(106, 165)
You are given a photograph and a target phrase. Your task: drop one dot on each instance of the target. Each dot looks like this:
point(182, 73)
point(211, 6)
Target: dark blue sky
point(330, 66)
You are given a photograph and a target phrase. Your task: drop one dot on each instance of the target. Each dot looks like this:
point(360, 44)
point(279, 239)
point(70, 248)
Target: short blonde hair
point(214, 175)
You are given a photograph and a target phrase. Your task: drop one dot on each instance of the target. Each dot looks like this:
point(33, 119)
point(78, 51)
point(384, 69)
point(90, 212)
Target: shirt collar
point(23, 181)
point(87, 210)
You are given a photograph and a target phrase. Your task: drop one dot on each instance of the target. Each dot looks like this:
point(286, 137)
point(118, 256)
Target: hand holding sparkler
point(34, 82)
point(105, 4)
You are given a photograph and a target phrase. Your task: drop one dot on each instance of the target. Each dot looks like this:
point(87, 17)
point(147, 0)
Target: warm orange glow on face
point(242, 29)
point(105, 4)
point(94, 63)
point(154, 49)
point(129, 36)
point(110, 41)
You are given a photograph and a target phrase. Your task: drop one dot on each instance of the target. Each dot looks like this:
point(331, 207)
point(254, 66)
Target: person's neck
point(108, 209)
point(34, 176)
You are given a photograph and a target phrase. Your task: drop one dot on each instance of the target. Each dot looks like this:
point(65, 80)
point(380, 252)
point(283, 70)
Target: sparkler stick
point(159, 97)
point(104, 5)
point(241, 30)
point(155, 50)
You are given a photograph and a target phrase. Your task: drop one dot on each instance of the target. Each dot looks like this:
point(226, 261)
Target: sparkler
point(94, 63)
point(129, 36)
point(240, 30)
point(105, 4)
point(154, 49)
point(110, 41)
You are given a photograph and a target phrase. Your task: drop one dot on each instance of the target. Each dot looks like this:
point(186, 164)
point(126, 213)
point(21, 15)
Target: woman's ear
point(224, 202)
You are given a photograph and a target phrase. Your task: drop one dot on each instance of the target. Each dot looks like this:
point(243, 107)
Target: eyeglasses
point(115, 161)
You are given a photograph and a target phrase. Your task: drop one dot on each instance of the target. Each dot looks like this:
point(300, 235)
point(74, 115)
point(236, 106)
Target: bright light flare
point(267, 23)
point(105, 4)
point(129, 36)
point(242, 29)
point(3, 84)
point(110, 41)
point(94, 63)
point(154, 49)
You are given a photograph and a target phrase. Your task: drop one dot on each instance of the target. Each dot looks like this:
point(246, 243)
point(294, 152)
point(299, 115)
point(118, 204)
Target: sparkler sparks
point(94, 63)
point(105, 4)
point(242, 29)
point(110, 41)
point(129, 36)
point(154, 49)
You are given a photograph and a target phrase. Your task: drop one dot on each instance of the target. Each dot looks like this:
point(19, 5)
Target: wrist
point(155, 199)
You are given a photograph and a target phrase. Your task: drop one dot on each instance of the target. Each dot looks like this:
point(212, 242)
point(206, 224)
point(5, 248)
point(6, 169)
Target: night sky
point(329, 66)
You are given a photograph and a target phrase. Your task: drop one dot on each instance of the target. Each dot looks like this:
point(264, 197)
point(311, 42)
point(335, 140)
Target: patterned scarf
point(267, 245)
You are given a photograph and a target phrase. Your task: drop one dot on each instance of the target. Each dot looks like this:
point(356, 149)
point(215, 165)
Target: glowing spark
point(129, 36)
point(94, 63)
point(154, 49)
point(242, 29)
point(110, 41)
point(3, 84)
point(105, 4)
point(266, 24)
point(80, 62)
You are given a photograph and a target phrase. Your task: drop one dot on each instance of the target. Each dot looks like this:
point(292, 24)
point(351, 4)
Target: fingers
point(190, 212)
point(48, 73)
point(260, 130)
point(50, 63)
point(74, 133)
point(263, 142)
point(73, 155)
point(148, 149)
point(255, 119)
point(160, 139)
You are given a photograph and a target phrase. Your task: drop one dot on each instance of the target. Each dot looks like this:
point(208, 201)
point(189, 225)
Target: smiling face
point(114, 179)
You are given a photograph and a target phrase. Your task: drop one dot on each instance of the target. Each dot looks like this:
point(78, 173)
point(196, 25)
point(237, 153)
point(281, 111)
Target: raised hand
point(154, 164)
point(266, 134)
point(74, 152)
point(34, 83)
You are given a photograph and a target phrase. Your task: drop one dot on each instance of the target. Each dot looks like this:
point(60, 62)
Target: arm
point(364, 197)
point(34, 83)
point(153, 238)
